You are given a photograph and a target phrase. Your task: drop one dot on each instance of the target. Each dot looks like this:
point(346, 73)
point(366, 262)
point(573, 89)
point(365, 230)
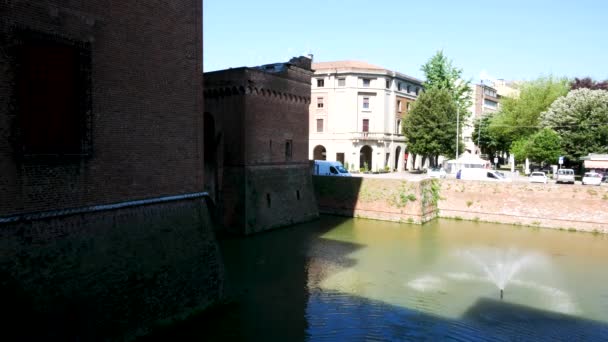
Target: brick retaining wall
point(544, 205)
point(382, 199)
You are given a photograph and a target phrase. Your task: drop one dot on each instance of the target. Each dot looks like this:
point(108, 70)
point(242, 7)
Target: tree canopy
point(485, 138)
point(581, 120)
point(440, 73)
point(588, 83)
point(518, 118)
point(543, 147)
point(430, 127)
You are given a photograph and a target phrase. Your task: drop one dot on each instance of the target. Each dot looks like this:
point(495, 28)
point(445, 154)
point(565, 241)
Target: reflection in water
point(354, 279)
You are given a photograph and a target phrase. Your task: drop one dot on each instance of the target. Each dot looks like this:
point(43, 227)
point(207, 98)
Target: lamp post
point(480, 116)
point(457, 127)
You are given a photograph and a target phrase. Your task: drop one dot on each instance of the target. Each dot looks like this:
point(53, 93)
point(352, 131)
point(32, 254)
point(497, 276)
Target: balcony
point(379, 137)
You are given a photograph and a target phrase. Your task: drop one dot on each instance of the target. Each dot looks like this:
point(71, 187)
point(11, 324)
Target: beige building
point(485, 100)
point(356, 114)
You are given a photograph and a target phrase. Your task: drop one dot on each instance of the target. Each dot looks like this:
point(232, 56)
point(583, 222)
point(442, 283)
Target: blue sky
point(514, 40)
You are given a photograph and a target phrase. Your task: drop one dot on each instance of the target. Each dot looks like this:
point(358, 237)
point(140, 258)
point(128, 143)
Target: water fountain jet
point(501, 266)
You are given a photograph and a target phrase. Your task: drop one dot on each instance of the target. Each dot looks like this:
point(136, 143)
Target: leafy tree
point(440, 73)
point(518, 118)
point(545, 146)
point(519, 149)
point(588, 83)
point(483, 137)
point(581, 120)
point(430, 127)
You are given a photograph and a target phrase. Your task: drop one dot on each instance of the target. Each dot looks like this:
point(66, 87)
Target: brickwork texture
point(110, 274)
point(380, 199)
point(262, 118)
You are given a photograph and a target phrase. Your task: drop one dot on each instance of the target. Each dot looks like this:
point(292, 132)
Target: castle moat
point(354, 279)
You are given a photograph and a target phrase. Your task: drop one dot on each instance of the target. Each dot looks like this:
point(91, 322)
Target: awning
point(596, 164)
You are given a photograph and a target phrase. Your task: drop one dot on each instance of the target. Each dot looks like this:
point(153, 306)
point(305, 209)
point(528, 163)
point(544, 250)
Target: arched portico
point(319, 153)
point(365, 157)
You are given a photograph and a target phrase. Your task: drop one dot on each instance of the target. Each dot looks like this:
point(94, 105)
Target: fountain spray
point(501, 294)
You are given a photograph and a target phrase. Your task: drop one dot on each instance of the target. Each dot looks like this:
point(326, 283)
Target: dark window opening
point(319, 125)
point(366, 103)
point(320, 82)
point(298, 194)
point(319, 102)
point(268, 200)
point(340, 157)
point(52, 90)
point(365, 125)
point(288, 147)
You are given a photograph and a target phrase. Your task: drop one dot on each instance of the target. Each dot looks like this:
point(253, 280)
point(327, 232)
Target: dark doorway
point(365, 157)
point(397, 156)
point(319, 153)
point(340, 157)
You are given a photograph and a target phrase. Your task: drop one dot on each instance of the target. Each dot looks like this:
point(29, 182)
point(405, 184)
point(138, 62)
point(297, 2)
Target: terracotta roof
point(345, 65)
point(341, 65)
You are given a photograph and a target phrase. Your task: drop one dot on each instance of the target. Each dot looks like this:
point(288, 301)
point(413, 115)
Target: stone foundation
point(259, 198)
point(109, 274)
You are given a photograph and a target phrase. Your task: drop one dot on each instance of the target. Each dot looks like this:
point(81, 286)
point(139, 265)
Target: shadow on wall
point(107, 275)
point(394, 200)
point(341, 194)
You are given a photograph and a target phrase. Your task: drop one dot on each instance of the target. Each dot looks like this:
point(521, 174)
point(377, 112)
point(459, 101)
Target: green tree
point(545, 146)
point(519, 118)
point(581, 120)
point(519, 149)
point(440, 73)
point(430, 127)
point(485, 138)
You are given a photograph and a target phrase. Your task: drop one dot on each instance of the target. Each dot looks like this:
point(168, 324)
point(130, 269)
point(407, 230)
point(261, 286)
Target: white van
point(481, 174)
point(330, 168)
point(564, 176)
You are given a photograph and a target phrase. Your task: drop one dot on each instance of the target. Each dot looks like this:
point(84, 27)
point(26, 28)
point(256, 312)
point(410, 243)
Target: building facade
point(104, 227)
point(356, 115)
point(485, 100)
point(261, 124)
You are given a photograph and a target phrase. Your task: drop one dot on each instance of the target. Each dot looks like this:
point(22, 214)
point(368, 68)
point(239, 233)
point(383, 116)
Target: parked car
point(592, 178)
point(538, 177)
point(481, 174)
point(564, 176)
point(436, 172)
point(330, 168)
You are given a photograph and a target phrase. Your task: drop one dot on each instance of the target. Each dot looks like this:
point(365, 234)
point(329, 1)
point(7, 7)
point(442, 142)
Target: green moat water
point(356, 279)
